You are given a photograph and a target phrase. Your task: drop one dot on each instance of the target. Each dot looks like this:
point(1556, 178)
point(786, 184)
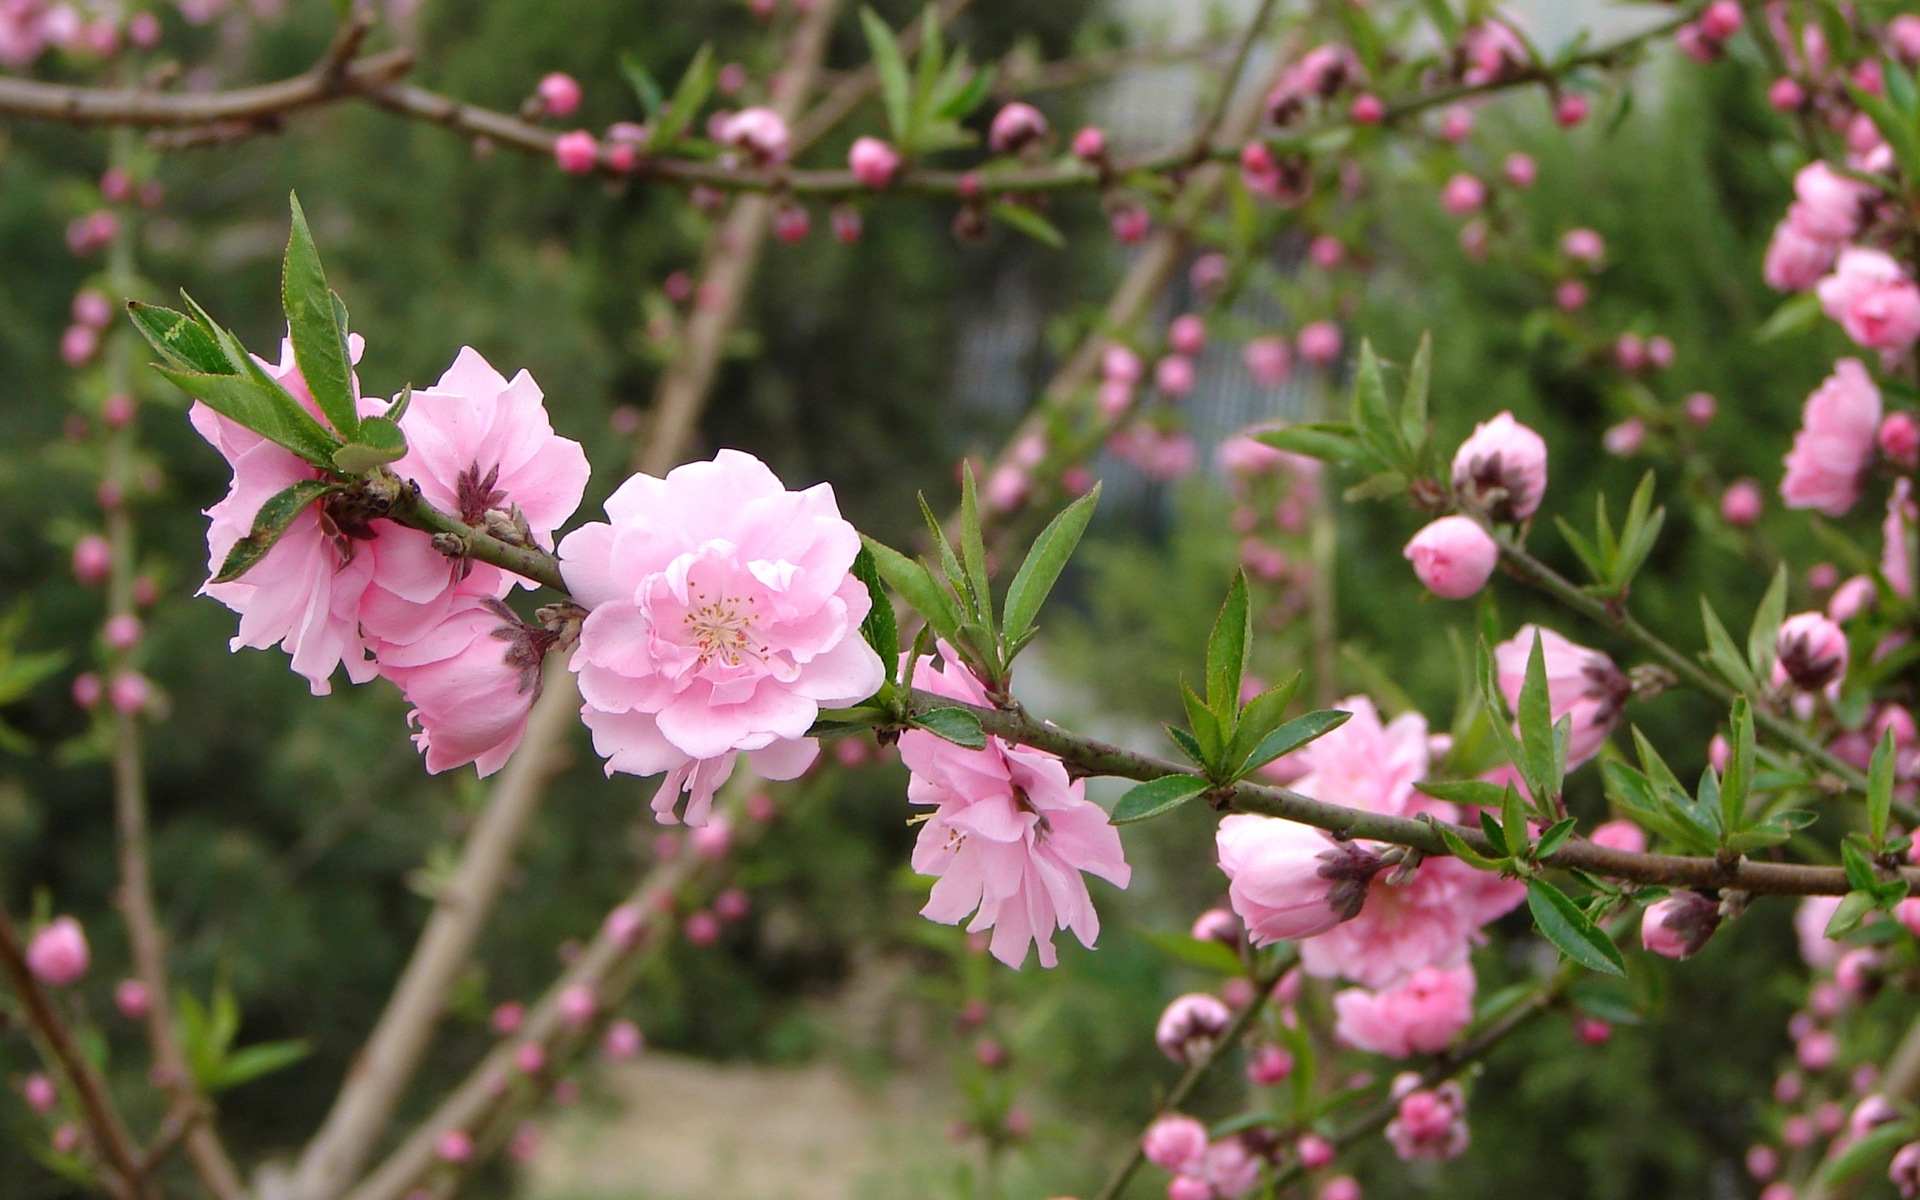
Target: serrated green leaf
point(179, 339)
point(1880, 787)
point(1372, 416)
point(1569, 929)
point(268, 524)
point(1034, 581)
point(973, 548)
point(878, 627)
point(1465, 853)
point(1859, 868)
point(1476, 792)
point(891, 66)
point(378, 443)
point(1205, 726)
point(1723, 654)
point(1764, 633)
point(1513, 824)
point(1853, 909)
point(917, 587)
point(266, 410)
point(1536, 727)
point(689, 97)
point(1189, 745)
point(1261, 716)
point(956, 725)
point(1161, 796)
point(1029, 222)
point(1293, 735)
point(313, 324)
point(1227, 650)
point(1556, 836)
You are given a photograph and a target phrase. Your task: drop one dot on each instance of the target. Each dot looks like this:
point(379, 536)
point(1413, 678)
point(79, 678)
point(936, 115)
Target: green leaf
point(1189, 745)
point(1864, 1154)
point(1880, 787)
point(379, 443)
point(1555, 837)
point(1413, 403)
point(1458, 847)
point(253, 1062)
point(1293, 735)
point(1261, 716)
point(879, 628)
point(689, 97)
point(316, 325)
point(1723, 654)
point(1853, 909)
point(917, 586)
point(1031, 223)
point(1796, 314)
point(1206, 726)
point(1163, 795)
point(973, 548)
point(1329, 441)
point(895, 88)
point(956, 725)
point(1208, 956)
point(1568, 928)
point(1860, 872)
point(1041, 570)
point(962, 102)
point(1513, 824)
point(1764, 633)
point(1227, 650)
point(179, 339)
point(644, 85)
point(1476, 792)
point(1637, 536)
point(1372, 416)
point(268, 524)
point(1738, 783)
point(266, 410)
point(1536, 728)
point(1444, 22)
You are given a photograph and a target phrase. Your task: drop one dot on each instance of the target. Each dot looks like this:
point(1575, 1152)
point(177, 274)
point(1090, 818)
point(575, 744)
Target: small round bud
point(1571, 110)
point(92, 560)
point(578, 1006)
point(122, 632)
point(39, 1092)
point(1368, 109)
point(58, 954)
point(559, 94)
point(622, 1041)
point(703, 928)
point(1015, 127)
point(1786, 95)
point(1090, 144)
point(129, 693)
point(1520, 170)
point(791, 224)
point(133, 1000)
point(87, 689)
point(117, 410)
point(1741, 503)
point(454, 1146)
point(577, 153)
point(873, 162)
point(1453, 556)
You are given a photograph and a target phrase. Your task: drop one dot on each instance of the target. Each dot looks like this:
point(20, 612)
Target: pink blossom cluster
point(1202, 1169)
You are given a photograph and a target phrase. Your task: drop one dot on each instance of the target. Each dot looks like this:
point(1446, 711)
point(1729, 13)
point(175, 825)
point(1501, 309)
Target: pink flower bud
point(1811, 651)
point(454, 1146)
point(1584, 246)
point(78, 344)
point(1314, 1151)
point(732, 905)
point(1187, 334)
point(1625, 438)
point(990, 1054)
point(116, 185)
point(577, 152)
point(117, 410)
point(873, 162)
point(1463, 194)
point(1571, 110)
point(1816, 1050)
point(1174, 1143)
point(131, 997)
point(1786, 95)
point(1188, 1187)
point(1090, 144)
point(791, 224)
point(713, 840)
point(1456, 124)
point(530, 1057)
point(1015, 127)
point(1520, 170)
point(1269, 1065)
point(1680, 925)
point(1570, 295)
point(92, 309)
point(122, 632)
point(578, 1006)
point(92, 560)
point(1190, 1026)
point(625, 926)
point(1700, 408)
point(1130, 223)
point(1287, 880)
point(1721, 20)
point(1763, 1162)
point(1340, 1187)
point(1268, 360)
point(58, 954)
point(1899, 439)
point(1430, 1124)
point(1119, 364)
point(759, 132)
point(703, 928)
point(1903, 38)
point(1368, 109)
point(559, 94)
point(1592, 1031)
point(1174, 375)
point(507, 1017)
point(129, 692)
point(1319, 343)
point(143, 30)
point(1454, 557)
point(1502, 469)
point(1696, 44)
point(67, 1139)
point(87, 689)
point(1620, 835)
point(40, 1094)
point(1659, 352)
point(1741, 503)
point(623, 1041)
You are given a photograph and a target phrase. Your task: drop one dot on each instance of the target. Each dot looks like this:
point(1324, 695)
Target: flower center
point(722, 627)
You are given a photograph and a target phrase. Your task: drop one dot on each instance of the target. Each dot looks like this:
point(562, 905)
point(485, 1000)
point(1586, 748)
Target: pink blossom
point(622, 1041)
point(1429, 920)
point(1873, 300)
point(1340, 1187)
point(1722, 19)
point(1090, 144)
point(1570, 295)
point(1228, 1170)
point(1015, 127)
point(578, 1005)
point(1520, 170)
point(1796, 261)
point(1314, 1151)
point(1620, 835)
point(723, 616)
point(1581, 683)
point(1420, 1015)
point(1319, 343)
point(1741, 503)
point(41, 1095)
point(1835, 444)
point(1173, 375)
point(1584, 246)
point(58, 954)
point(1502, 468)
point(1786, 95)
point(759, 132)
point(1898, 550)
point(1010, 834)
point(129, 692)
point(1453, 556)
point(1680, 925)
point(559, 93)
point(1119, 364)
point(133, 999)
point(1625, 438)
point(1174, 1142)
point(1571, 109)
point(1899, 440)
point(1268, 360)
point(93, 559)
point(1370, 765)
point(471, 678)
point(1456, 124)
point(1287, 880)
point(1187, 334)
point(1490, 50)
point(454, 1146)
point(1269, 1065)
point(1190, 1025)
point(791, 224)
point(1463, 194)
point(1903, 37)
point(1430, 1124)
point(1811, 651)
point(577, 152)
point(1827, 206)
point(1368, 109)
point(873, 162)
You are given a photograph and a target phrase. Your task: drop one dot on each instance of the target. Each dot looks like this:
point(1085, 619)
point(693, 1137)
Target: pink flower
point(471, 679)
point(1898, 551)
point(1190, 1025)
point(1680, 925)
point(1015, 127)
point(1903, 37)
point(1187, 334)
point(58, 954)
point(1795, 261)
point(1502, 468)
point(1835, 444)
point(622, 1041)
point(1741, 503)
point(1430, 920)
point(1463, 194)
point(873, 162)
point(559, 93)
point(1243, 455)
point(1520, 170)
point(1584, 246)
point(1119, 364)
point(1228, 1170)
point(1419, 1016)
point(1581, 683)
point(1174, 1142)
point(93, 559)
point(133, 999)
point(1899, 439)
point(723, 617)
point(1429, 1124)
point(1287, 880)
point(577, 152)
point(1268, 360)
point(1090, 144)
point(1624, 439)
point(759, 132)
point(41, 1095)
point(1490, 49)
point(1453, 556)
point(1368, 765)
point(1872, 299)
point(1319, 343)
point(1620, 835)
point(1010, 834)
point(1811, 650)
point(1828, 206)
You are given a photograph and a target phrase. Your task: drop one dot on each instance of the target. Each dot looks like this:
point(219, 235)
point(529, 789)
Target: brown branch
point(109, 1134)
point(142, 107)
